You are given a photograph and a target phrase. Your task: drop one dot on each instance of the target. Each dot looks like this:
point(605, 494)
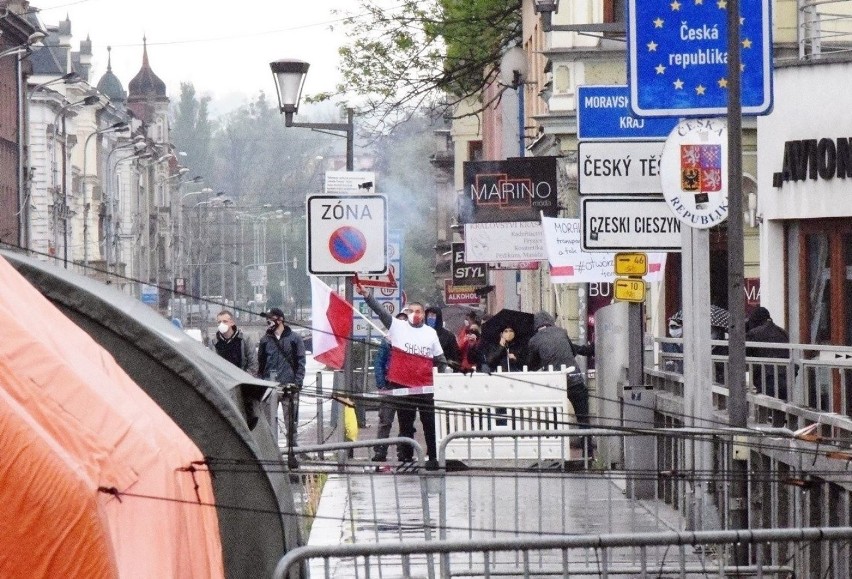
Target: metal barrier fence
point(370, 503)
point(806, 552)
point(502, 401)
point(813, 384)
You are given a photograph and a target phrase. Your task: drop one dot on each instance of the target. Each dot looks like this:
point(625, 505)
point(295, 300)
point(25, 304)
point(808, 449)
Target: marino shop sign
point(823, 158)
point(516, 189)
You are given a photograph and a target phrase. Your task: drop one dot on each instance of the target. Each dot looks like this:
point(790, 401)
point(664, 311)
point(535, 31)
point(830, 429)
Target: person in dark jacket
point(549, 347)
point(761, 328)
point(435, 320)
point(233, 345)
point(387, 407)
point(506, 355)
point(281, 358)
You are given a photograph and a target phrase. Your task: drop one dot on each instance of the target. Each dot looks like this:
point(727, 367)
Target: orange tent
point(95, 480)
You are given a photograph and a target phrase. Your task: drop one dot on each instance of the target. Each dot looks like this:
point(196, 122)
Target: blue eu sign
point(677, 57)
point(603, 114)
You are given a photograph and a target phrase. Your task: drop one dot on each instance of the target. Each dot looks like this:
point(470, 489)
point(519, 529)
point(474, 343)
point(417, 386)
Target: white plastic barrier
point(502, 401)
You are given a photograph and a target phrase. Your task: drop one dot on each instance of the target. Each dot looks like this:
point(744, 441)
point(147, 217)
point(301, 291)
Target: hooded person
point(449, 343)
point(761, 328)
point(549, 347)
point(506, 355)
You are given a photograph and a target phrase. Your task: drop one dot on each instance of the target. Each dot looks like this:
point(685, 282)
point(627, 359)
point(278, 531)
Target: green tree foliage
point(193, 130)
point(416, 54)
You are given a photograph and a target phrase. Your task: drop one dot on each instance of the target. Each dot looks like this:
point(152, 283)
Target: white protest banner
point(505, 241)
point(570, 264)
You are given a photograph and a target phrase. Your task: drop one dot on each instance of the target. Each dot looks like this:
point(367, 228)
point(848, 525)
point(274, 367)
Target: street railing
point(805, 552)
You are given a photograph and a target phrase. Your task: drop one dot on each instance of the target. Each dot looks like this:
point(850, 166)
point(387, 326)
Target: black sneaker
point(378, 457)
point(432, 465)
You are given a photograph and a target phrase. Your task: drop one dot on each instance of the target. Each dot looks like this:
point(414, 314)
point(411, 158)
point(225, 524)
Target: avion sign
point(811, 159)
point(512, 190)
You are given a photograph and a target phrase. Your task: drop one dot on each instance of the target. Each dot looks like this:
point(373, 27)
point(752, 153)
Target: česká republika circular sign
point(694, 170)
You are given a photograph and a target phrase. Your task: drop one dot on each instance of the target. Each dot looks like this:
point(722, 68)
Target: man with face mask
point(233, 345)
point(415, 350)
point(281, 358)
point(675, 331)
point(449, 344)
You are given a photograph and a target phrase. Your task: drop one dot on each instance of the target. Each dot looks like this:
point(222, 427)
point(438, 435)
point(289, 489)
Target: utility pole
point(737, 400)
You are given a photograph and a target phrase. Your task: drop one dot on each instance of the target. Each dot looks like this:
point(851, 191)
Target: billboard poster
point(517, 189)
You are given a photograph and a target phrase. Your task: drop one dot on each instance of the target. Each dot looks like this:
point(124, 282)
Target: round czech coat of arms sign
point(694, 170)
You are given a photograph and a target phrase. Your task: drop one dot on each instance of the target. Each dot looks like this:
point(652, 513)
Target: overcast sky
point(221, 47)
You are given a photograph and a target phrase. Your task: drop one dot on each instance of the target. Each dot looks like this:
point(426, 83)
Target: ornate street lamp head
point(546, 5)
point(289, 80)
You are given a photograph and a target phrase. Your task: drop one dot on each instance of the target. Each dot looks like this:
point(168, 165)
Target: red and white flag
point(332, 325)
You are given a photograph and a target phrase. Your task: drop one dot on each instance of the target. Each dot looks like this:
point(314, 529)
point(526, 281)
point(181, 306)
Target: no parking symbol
point(347, 234)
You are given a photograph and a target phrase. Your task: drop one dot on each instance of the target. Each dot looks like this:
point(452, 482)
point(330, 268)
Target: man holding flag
point(415, 350)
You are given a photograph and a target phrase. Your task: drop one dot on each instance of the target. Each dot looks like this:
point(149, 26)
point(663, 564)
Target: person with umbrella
point(507, 354)
point(719, 321)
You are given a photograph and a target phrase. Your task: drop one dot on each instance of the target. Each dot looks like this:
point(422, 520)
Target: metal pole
point(737, 402)
point(23, 157)
point(348, 291)
point(221, 210)
point(521, 148)
point(64, 194)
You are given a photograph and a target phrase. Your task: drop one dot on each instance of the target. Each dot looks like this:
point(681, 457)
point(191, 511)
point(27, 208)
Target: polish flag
point(332, 325)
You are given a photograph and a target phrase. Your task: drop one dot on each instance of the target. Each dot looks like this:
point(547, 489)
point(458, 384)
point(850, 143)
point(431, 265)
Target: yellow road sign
point(629, 290)
point(631, 263)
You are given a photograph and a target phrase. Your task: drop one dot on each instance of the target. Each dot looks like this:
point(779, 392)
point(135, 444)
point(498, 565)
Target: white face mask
point(676, 332)
point(223, 327)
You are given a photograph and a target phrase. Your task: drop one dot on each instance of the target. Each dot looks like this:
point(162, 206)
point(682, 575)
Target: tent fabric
point(38, 472)
point(212, 401)
point(110, 434)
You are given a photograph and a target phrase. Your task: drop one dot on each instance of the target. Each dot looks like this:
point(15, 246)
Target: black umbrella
point(719, 317)
point(521, 322)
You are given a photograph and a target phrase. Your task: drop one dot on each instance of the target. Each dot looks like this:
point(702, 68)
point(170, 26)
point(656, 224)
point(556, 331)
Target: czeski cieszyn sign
point(694, 172)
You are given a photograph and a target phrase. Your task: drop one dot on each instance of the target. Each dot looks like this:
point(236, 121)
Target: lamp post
point(137, 145)
point(219, 201)
point(119, 126)
point(22, 132)
point(180, 239)
point(289, 77)
point(89, 100)
point(289, 80)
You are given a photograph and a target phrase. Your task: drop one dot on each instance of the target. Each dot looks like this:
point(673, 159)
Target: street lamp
point(114, 233)
point(137, 145)
point(547, 7)
point(22, 132)
point(89, 100)
point(289, 77)
point(119, 126)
